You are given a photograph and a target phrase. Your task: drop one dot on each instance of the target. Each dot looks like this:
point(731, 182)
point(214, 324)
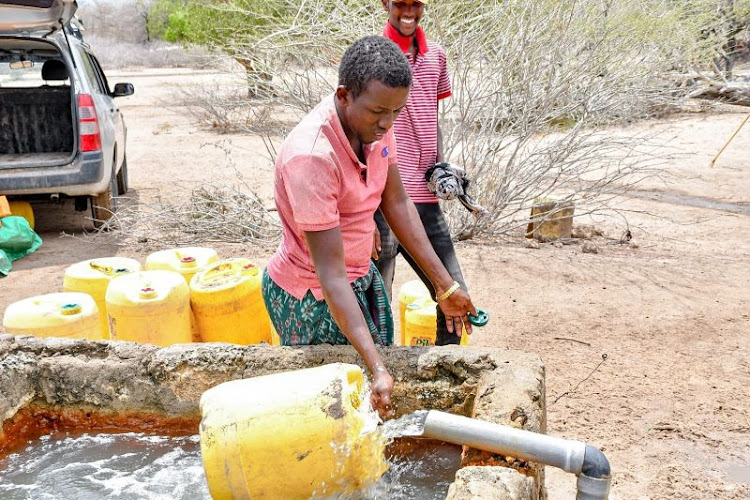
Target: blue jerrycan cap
point(481, 319)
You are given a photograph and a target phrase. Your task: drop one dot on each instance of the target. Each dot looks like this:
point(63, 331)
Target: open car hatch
point(35, 16)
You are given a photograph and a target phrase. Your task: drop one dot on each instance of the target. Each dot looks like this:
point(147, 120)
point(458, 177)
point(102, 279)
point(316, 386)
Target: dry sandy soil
point(671, 311)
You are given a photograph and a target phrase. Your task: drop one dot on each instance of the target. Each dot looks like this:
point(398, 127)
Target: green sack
point(17, 240)
point(5, 265)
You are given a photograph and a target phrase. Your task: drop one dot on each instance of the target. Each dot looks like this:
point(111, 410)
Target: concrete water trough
point(60, 384)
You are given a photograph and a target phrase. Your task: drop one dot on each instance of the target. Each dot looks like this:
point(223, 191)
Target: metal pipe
point(576, 457)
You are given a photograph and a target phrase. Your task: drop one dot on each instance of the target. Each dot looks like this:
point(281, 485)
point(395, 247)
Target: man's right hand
point(382, 388)
point(456, 309)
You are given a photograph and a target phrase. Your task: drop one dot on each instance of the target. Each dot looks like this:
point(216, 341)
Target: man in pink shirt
point(332, 172)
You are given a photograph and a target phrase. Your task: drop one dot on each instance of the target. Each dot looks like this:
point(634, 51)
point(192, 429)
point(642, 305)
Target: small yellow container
point(187, 261)
point(4, 207)
point(93, 277)
point(22, 209)
point(411, 291)
point(228, 303)
point(71, 315)
point(420, 326)
point(275, 339)
point(292, 435)
point(150, 307)
point(551, 219)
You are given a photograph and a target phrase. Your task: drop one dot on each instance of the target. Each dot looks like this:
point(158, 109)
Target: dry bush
point(533, 84)
point(121, 20)
point(224, 106)
point(219, 211)
point(114, 54)
point(528, 99)
point(117, 31)
point(214, 212)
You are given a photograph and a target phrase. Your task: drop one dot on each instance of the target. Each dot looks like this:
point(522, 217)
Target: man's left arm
point(402, 217)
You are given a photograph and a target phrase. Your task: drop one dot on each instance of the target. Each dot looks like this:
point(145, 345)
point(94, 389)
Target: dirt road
point(670, 406)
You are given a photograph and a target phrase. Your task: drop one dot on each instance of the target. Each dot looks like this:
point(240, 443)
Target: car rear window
point(25, 77)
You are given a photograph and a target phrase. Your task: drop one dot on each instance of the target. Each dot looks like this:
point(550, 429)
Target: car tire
point(122, 178)
point(105, 205)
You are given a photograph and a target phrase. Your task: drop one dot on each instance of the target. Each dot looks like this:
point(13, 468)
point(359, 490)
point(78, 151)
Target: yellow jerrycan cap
point(186, 260)
point(147, 293)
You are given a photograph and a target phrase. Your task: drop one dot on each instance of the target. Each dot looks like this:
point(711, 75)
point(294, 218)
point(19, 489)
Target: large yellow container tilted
point(187, 260)
point(93, 277)
point(23, 209)
point(420, 324)
point(228, 303)
point(291, 435)
point(411, 291)
point(70, 315)
point(150, 307)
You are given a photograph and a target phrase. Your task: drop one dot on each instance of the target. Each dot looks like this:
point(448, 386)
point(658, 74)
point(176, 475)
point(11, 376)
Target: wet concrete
point(58, 384)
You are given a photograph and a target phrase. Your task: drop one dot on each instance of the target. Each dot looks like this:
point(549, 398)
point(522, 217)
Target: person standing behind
point(420, 146)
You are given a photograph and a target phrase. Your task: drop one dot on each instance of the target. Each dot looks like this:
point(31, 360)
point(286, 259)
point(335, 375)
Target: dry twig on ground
point(212, 213)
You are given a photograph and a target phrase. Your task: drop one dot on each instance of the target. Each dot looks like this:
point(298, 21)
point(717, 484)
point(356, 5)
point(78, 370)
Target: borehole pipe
point(576, 457)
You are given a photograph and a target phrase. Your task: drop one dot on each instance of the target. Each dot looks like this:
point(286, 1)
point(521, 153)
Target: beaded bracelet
point(455, 286)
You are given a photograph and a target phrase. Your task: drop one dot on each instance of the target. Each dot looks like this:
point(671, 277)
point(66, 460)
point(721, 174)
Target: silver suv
point(61, 133)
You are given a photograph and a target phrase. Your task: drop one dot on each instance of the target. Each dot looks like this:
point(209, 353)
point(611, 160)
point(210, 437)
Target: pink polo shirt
point(320, 184)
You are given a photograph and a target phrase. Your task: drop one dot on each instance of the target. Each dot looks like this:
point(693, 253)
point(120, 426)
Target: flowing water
point(138, 466)
point(411, 425)
point(90, 466)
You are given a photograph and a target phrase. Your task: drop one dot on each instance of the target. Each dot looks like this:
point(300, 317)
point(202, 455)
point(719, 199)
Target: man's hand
point(376, 247)
point(382, 388)
point(456, 308)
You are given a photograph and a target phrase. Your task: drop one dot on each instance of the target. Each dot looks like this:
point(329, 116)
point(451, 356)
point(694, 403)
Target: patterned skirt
point(309, 321)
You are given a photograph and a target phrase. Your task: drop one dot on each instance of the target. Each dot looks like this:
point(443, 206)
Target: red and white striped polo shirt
point(416, 126)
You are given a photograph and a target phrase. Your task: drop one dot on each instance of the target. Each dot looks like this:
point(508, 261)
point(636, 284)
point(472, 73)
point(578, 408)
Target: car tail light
point(88, 124)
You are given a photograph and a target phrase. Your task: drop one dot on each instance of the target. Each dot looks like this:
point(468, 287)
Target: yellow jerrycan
point(93, 277)
point(23, 209)
point(411, 291)
point(420, 324)
point(187, 261)
point(71, 315)
point(228, 303)
point(150, 307)
point(275, 339)
point(292, 435)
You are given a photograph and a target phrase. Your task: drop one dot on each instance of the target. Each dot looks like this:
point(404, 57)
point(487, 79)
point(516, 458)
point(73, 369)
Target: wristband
point(455, 286)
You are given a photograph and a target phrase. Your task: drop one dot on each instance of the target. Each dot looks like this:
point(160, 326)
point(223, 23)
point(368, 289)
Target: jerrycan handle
point(108, 270)
point(216, 273)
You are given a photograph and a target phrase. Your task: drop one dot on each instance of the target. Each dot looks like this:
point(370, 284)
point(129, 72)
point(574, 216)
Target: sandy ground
point(669, 406)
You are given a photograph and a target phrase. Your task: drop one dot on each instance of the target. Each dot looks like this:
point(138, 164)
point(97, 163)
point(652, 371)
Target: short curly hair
point(373, 58)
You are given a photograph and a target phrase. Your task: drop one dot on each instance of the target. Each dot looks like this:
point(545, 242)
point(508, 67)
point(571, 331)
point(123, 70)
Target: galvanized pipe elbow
point(576, 457)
